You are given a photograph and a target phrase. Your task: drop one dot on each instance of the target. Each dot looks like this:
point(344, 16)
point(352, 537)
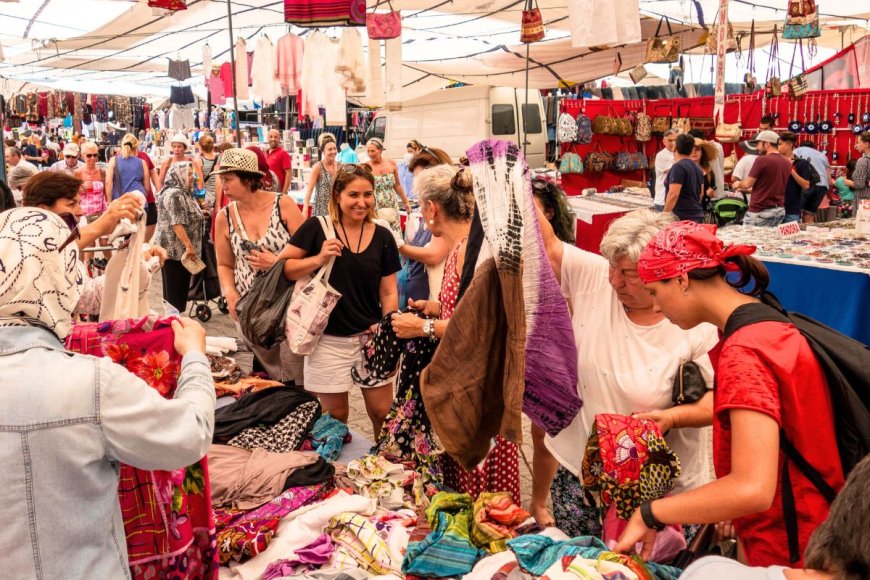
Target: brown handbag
point(713, 39)
point(598, 161)
point(731, 132)
point(774, 82)
point(797, 85)
point(532, 27)
point(660, 125)
point(681, 124)
point(663, 50)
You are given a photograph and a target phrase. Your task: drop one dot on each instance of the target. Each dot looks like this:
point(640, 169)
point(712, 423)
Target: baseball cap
point(767, 137)
point(71, 149)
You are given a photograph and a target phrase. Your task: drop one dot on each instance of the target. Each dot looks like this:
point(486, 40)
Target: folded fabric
point(285, 435)
point(245, 479)
point(628, 462)
point(447, 550)
point(327, 436)
point(243, 534)
point(314, 554)
point(377, 478)
point(298, 532)
point(536, 553)
point(496, 518)
point(318, 472)
point(223, 343)
point(358, 544)
point(258, 409)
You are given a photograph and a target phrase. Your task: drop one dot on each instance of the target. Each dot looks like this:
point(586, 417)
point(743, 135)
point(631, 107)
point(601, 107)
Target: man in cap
point(767, 179)
point(70, 161)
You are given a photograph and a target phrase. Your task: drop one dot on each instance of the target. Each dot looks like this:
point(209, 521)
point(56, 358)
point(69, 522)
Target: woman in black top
point(366, 262)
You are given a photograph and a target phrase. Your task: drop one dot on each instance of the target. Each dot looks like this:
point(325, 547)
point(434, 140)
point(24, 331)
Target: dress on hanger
point(288, 63)
point(263, 83)
point(241, 57)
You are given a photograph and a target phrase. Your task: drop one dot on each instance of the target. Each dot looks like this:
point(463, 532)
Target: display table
point(823, 273)
point(595, 212)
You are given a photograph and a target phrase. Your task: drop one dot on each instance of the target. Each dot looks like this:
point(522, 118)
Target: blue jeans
point(770, 217)
point(791, 217)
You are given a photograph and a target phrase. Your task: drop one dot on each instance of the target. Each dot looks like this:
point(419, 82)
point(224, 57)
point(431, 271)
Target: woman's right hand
point(427, 307)
point(232, 299)
point(189, 336)
point(331, 249)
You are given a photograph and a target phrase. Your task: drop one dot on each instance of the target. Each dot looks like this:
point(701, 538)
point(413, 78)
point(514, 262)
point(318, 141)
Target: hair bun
point(461, 182)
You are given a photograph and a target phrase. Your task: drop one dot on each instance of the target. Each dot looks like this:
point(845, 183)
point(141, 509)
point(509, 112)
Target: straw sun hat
point(239, 160)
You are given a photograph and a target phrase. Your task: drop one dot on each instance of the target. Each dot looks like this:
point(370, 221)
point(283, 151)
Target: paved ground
point(222, 325)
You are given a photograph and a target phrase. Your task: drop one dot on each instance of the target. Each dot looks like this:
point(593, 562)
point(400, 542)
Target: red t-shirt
point(149, 197)
point(279, 162)
point(768, 367)
point(771, 173)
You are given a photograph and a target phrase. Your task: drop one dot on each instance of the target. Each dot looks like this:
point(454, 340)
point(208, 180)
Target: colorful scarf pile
point(496, 519)
point(167, 515)
point(448, 550)
point(327, 437)
point(314, 555)
point(244, 534)
point(359, 544)
point(628, 462)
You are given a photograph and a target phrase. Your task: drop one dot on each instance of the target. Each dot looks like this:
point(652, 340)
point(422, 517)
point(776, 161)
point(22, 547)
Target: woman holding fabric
point(99, 413)
point(364, 272)
point(249, 234)
point(629, 356)
point(179, 226)
point(447, 202)
point(320, 181)
point(769, 385)
point(388, 187)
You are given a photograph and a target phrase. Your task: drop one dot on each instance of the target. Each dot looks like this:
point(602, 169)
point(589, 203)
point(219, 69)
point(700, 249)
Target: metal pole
point(525, 108)
point(233, 65)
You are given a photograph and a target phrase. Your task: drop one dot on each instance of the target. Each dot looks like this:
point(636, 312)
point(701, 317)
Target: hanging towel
point(393, 54)
point(375, 80)
point(351, 62)
point(263, 83)
point(179, 69)
point(241, 76)
point(320, 13)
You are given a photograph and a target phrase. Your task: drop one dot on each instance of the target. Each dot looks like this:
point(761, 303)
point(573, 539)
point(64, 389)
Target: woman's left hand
point(155, 251)
point(407, 325)
point(261, 259)
point(663, 418)
point(636, 533)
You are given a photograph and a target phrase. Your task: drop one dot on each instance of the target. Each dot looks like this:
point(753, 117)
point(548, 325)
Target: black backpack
point(814, 178)
point(846, 365)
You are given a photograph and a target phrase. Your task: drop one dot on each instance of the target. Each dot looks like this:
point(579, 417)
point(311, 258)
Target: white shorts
point(327, 369)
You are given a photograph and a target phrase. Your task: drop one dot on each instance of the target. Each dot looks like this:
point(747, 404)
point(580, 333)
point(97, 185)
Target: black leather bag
point(689, 384)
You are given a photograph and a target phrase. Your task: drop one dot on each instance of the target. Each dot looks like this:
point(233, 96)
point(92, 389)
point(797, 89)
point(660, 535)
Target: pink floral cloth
point(168, 517)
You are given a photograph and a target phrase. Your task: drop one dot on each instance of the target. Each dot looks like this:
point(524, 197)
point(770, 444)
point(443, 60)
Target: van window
point(532, 119)
point(503, 120)
point(377, 129)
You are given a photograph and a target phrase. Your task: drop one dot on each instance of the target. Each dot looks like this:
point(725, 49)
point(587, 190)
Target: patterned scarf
point(39, 285)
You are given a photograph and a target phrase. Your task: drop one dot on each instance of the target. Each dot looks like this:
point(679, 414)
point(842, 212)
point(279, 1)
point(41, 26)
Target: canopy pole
point(233, 65)
point(526, 107)
point(721, 39)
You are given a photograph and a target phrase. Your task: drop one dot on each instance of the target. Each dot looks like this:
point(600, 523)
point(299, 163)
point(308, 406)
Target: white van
point(455, 119)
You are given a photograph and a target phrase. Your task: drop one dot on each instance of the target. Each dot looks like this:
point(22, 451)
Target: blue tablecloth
point(838, 298)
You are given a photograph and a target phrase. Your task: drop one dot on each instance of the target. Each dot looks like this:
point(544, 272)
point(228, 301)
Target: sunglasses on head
point(540, 185)
point(72, 223)
point(352, 168)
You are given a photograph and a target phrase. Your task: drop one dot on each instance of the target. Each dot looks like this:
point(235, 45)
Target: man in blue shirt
point(812, 198)
point(684, 183)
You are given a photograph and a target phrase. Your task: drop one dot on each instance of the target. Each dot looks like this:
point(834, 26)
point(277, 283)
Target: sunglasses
point(92, 155)
point(73, 224)
point(70, 157)
point(352, 168)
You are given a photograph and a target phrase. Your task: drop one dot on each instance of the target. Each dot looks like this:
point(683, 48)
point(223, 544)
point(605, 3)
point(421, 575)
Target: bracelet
point(649, 519)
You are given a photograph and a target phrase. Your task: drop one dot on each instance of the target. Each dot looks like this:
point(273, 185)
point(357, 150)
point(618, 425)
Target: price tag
point(789, 229)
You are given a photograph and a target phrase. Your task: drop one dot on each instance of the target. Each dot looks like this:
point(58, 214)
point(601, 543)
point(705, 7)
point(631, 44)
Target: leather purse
point(774, 81)
point(689, 384)
point(663, 50)
point(731, 132)
point(383, 26)
point(532, 26)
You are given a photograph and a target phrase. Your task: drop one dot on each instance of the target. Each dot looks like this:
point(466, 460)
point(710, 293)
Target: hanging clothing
point(179, 69)
point(393, 71)
point(604, 23)
point(167, 514)
point(206, 59)
point(182, 95)
point(375, 80)
point(216, 88)
point(241, 77)
point(288, 63)
point(226, 76)
point(351, 63)
point(263, 71)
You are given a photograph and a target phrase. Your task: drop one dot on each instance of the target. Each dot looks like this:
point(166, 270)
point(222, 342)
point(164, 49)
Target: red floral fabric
point(168, 517)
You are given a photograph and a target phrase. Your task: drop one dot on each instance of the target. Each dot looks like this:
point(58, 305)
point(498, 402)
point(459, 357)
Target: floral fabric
point(244, 534)
point(167, 515)
point(574, 509)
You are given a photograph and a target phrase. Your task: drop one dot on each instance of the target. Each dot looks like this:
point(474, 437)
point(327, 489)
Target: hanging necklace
point(347, 239)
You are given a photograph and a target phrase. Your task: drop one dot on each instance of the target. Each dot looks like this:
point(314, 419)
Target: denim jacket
point(66, 421)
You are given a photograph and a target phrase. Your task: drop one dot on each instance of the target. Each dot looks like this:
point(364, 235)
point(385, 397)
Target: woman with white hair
point(179, 145)
point(628, 355)
point(388, 187)
point(86, 416)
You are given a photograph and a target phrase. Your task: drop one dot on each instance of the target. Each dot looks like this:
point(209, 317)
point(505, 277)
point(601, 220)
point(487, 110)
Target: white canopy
point(123, 47)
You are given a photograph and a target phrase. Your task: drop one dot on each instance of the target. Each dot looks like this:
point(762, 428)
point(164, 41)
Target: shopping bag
point(261, 310)
point(532, 26)
point(384, 26)
point(312, 303)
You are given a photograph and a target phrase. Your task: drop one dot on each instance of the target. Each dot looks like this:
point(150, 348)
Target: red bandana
point(685, 246)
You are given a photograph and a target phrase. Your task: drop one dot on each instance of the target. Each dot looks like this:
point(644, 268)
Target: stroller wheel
point(203, 312)
point(222, 305)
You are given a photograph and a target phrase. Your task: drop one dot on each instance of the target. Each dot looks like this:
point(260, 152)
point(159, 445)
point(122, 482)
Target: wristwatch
point(429, 328)
point(649, 519)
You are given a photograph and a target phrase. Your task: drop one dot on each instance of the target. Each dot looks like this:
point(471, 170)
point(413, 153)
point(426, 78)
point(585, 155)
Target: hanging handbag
point(638, 73)
point(689, 384)
point(731, 132)
point(598, 161)
point(571, 163)
point(797, 85)
point(642, 127)
point(663, 50)
point(313, 301)
point(660, 124)
point(730, 162)
point(625, 161)
point(532, 27)
point(681, 124)
point(383, 26)
point(604, 125)
point(710, 45)
point(774, 82)
point(802, 20)
point(749, 76)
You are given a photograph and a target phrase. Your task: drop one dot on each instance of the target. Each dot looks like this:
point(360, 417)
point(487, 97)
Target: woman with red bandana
point(768, 385)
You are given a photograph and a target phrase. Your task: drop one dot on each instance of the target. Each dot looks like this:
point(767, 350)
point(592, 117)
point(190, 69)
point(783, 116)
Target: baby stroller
point(205, 287)
point(725, 211)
